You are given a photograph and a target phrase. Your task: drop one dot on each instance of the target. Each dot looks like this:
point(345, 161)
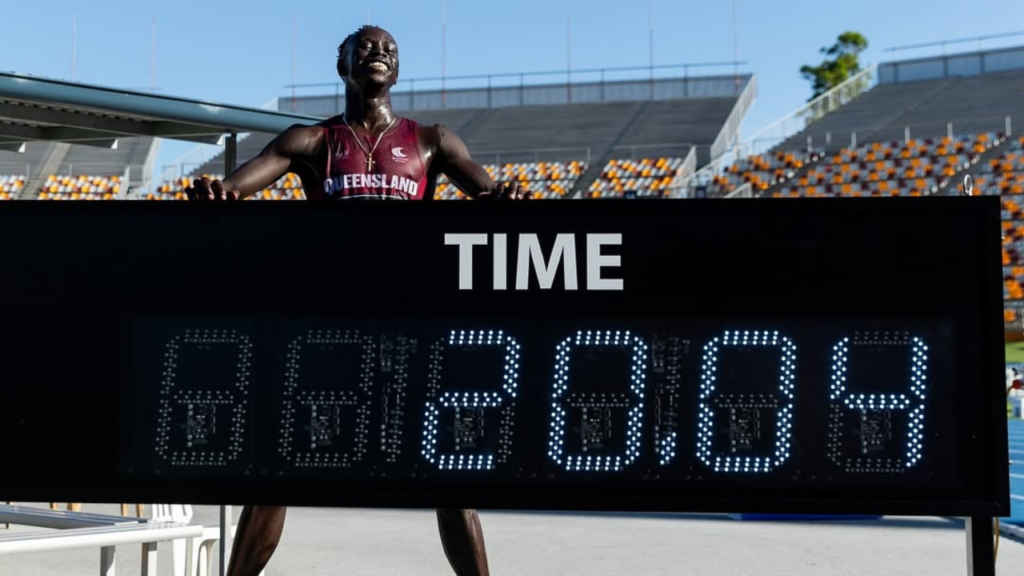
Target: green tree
point(843, 62)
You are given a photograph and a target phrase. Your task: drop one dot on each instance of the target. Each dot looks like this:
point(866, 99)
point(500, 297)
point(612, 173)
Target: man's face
point(373, 58)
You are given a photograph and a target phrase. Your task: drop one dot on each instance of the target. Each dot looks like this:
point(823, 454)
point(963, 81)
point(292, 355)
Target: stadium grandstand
point(585, 139)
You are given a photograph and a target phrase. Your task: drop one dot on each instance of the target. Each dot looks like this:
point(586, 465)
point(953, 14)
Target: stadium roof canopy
point(43, 109)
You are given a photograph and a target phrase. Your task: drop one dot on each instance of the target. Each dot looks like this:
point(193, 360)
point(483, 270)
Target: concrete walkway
point(321, 542)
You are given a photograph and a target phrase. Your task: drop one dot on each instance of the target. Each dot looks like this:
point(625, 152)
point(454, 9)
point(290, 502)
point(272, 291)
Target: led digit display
point(597, 418)
point(470, 415)
point(756, 429)
point(719, 356)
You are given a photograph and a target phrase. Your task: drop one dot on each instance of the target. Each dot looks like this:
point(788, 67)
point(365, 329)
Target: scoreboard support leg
point(981, 557)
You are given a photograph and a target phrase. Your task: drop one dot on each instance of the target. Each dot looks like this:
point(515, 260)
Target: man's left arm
point(452, 159)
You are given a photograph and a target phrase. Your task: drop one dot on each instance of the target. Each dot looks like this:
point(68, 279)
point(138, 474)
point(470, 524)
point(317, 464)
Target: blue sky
point(243, 52)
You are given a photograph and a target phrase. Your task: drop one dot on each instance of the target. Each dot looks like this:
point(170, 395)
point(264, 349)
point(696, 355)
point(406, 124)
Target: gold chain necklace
point(359, 142)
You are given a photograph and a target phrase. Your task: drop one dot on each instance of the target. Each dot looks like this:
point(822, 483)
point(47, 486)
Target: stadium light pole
point(650, 41)
point(294, 26)
point(152, 60)
point(568, 51)
point(74, 45)
point(735, 46)
point(444, 41)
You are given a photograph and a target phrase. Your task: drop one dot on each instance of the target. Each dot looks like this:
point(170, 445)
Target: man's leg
point(462, 537)
point(258, 533)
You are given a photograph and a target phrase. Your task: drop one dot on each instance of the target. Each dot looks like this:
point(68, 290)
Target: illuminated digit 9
point(875, 409)
point(752, 403)
point(638, 375)
point(324, 416)
point(205, 444)
point(502, 399)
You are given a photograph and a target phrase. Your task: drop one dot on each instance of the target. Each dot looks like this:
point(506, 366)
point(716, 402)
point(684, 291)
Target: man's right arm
point(263, 169)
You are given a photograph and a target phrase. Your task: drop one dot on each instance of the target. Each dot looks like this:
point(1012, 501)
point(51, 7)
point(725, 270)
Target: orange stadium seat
point(646, 176)
point(81, 187)
point(288, 187)
point(544, 179)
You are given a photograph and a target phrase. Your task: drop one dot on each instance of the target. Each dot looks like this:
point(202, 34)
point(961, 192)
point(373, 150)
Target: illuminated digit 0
point(638, 376)
point(502, 399)
point(206, 442)
point(745, 409)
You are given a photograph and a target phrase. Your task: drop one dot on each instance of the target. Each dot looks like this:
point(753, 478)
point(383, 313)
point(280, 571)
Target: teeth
point(378, 66)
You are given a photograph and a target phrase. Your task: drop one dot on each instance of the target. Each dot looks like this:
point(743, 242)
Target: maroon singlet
point(398, 171)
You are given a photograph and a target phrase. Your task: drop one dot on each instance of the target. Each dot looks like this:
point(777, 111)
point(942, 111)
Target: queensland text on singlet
point(398, 171)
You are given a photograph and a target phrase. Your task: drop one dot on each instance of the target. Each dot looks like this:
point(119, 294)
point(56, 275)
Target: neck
point(368, 111)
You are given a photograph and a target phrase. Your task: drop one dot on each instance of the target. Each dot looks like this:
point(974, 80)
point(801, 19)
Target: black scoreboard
point(832, 356)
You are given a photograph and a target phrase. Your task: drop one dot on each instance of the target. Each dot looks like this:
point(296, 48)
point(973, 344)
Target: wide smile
point(378, 66)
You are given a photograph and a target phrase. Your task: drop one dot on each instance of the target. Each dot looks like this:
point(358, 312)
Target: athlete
point(367, 153)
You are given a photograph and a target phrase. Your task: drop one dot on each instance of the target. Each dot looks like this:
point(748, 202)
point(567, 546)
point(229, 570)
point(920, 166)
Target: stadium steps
point(470, 128)
point(24, 164)
point(49, 166)
point(596, 168)
point(892, 127)
point(866, 115)
point(248, 147)
point(974, 105)
point(460, 122)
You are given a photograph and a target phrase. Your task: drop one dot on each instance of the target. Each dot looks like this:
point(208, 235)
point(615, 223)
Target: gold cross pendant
point(369, 163)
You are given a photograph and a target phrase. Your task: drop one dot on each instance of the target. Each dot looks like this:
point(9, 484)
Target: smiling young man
point(367, 153)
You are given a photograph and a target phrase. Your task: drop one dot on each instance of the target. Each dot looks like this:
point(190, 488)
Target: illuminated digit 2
point(324, 417)
point(503, 399)
point(875, 408)
point(783, 409)
point(199, 411)
point(638, 375)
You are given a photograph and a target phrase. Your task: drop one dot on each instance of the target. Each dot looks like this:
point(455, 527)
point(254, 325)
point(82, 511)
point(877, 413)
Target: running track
point(1017, 470)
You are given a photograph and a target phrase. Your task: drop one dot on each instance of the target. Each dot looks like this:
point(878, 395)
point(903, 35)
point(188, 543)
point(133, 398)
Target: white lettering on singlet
point(338, 184)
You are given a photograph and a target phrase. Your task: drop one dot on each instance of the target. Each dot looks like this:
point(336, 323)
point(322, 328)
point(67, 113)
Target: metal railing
point(523, 155)
point(783, 128)
point(523, 88)
point(731, 128)
point(895, 50)
point(688, 167)
point(952, 65)
point(744, 191)
point(777, 132)
point(666, 150)
point(918, 130)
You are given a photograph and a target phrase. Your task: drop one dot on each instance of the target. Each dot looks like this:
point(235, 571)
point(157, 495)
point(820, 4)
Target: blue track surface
point(1017, 471)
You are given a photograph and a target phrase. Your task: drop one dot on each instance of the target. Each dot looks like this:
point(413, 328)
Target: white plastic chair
point(202, 546)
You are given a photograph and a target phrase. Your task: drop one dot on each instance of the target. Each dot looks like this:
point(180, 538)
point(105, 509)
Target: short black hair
point(345, 44)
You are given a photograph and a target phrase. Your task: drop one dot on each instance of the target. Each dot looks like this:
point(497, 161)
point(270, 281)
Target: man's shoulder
point(435, 132)
point(319, 126)
point(301, 139)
